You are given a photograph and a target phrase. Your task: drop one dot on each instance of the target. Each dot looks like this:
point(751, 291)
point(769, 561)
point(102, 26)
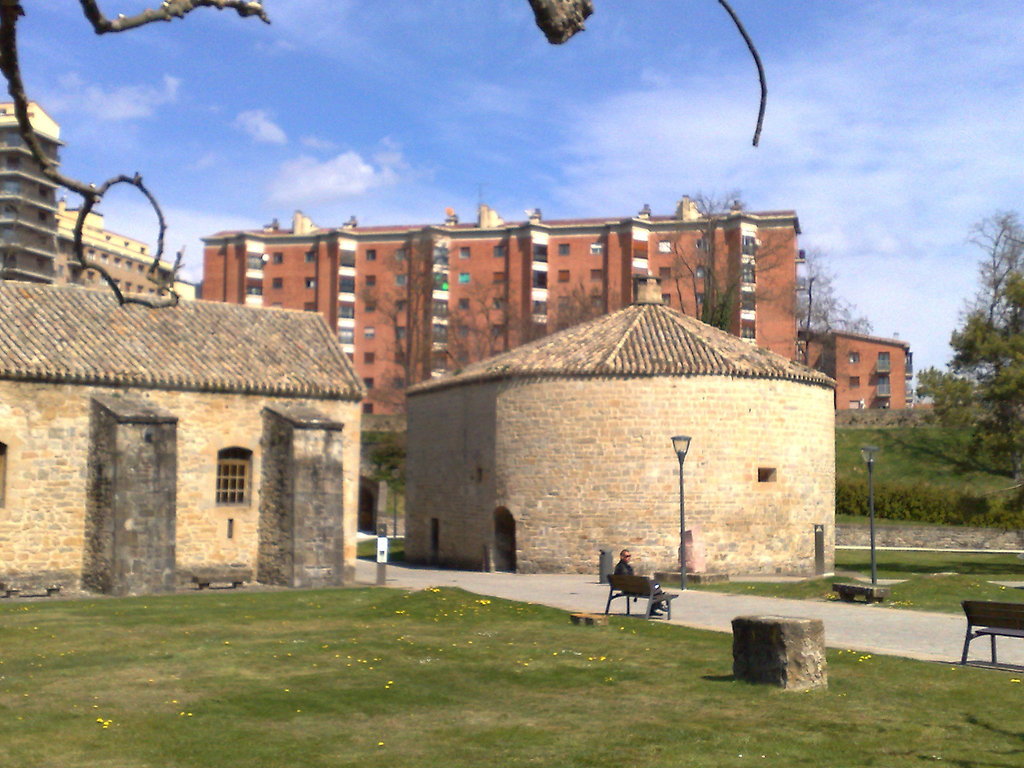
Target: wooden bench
point(986, 617)
point(871, 594)
point(204, 577)
point(627, 586)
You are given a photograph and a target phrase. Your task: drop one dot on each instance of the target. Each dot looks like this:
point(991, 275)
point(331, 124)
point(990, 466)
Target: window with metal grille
point(234, 468)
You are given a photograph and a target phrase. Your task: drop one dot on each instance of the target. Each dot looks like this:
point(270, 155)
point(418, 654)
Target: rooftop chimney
point(647, 289)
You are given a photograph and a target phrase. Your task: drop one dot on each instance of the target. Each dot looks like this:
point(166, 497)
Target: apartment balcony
point(883, 366)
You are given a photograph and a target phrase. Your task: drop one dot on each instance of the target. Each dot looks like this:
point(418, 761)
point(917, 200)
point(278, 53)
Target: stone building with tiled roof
point(140, 445)
point(538, 458)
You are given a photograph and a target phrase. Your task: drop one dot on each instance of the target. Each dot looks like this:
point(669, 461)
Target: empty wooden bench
point(235, 577)
point(986, 617)
point(636, 587)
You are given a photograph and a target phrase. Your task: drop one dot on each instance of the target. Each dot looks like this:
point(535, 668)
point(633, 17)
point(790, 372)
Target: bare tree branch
point(167, 11)
point(561, 19)
point(757, 61)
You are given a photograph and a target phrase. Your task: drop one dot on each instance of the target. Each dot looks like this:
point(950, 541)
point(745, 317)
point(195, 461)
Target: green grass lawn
point(934, 455)
point(933, 581)
point(380, 677)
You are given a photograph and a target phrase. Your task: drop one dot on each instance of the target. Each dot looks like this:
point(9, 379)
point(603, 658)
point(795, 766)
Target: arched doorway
point(504, 540)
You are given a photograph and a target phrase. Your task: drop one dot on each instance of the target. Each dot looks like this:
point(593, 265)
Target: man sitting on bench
point(624, 567)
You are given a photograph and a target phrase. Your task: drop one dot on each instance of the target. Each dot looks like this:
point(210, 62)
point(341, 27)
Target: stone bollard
point(779, 650)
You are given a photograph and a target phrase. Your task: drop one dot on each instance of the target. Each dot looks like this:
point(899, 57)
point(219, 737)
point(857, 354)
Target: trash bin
point(604, 567)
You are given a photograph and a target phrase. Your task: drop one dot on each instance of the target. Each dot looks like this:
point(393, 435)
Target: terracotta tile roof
point(73, 335)
point(640, 340)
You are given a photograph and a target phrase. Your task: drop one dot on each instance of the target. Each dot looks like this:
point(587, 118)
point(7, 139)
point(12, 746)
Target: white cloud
point(307, 180)
point(320, 145)
point(127, 102)
point(260, 128)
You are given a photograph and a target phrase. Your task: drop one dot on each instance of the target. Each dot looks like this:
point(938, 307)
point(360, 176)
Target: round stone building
point(536, 459)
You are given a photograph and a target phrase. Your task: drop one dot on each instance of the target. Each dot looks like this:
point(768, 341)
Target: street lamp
point(681, 443)
point(867, 453)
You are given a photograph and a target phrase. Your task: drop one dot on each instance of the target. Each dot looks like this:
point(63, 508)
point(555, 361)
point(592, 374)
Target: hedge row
point(920, 503)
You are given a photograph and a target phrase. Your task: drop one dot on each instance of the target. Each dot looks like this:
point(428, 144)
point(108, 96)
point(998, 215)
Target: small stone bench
point(225, 578)
point(871, 594)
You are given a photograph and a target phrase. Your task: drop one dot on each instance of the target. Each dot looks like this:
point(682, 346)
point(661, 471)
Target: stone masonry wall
point(930, 537)
point(46, 429)
point(585, 464)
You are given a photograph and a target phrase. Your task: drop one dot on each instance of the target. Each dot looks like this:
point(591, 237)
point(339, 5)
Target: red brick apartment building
point(410, 302)
point(870, 372)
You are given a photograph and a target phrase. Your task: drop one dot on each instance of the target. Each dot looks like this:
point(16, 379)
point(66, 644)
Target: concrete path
point(853, 626)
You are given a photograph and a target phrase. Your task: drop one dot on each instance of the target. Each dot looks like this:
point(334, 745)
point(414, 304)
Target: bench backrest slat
point(986, 613)
point(633, 584)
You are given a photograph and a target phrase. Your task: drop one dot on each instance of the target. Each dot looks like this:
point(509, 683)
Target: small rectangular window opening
point(231, 527)
point(766, 475)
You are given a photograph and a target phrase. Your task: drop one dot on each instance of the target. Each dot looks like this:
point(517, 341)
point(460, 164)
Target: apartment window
point(540, 307)
point(665, 273)
point(400, 305)
point(369, 358)
point(400, 333)
point(398, 382)
point(367, 407)
point(371, 254)
point(251, 290)
point(368, 382)
point(854, 382)
point(347, 310)
point(400, 280)
point(499, 304)
point(371, 280)
point(347, 284)
point(596, 249)
point(499, 277)
point(464, 278)
point(748, 244)
point(368, 332)
point(540, 252)
point(597, 274)
point(666, 299)
point(400, 254)
point(370, 306)
point(883, 386)
point(310, 257)
point(883, 361)
point(700, 272)
point(463, 304)
point(500, 251)
point(563, 275)
point(464, 252)
point(277, 282)
point(277, 258)
point(345, 335)
point(747, 272)
point(664, 246)
point(311, 282)
point(309, 306)
point(540, 279)
point(854, 357)
point(234, 468)
point(563, 249)
point(3, 472)
point(747, 301)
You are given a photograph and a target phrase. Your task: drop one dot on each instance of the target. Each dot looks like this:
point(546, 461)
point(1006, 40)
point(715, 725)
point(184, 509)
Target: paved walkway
point(855, 626)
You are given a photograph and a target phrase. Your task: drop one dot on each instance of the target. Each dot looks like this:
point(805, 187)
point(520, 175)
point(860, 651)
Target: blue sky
point(891, 128)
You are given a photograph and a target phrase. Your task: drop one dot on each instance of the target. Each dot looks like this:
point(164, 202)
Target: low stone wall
point(929, 537)
point(885, 417)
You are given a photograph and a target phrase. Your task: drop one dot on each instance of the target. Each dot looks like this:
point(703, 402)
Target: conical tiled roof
point(72, 335)
point(645, 339)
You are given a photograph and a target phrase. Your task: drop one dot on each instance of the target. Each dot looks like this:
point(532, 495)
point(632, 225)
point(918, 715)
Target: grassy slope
point(934, 455)
point(379, 677)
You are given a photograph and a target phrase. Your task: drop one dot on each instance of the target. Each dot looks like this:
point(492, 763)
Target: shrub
point(922, 503)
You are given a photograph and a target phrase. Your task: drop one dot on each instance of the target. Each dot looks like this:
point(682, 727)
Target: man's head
point(624, 555)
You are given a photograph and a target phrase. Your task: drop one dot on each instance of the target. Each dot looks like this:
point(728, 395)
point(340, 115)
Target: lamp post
point(867, 453)
point(681, 443)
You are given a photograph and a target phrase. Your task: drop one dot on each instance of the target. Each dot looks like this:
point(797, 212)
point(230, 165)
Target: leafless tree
point(820, 308)
point(558, 19)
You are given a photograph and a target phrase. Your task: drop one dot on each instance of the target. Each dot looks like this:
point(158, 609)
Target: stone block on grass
point(779, 650)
